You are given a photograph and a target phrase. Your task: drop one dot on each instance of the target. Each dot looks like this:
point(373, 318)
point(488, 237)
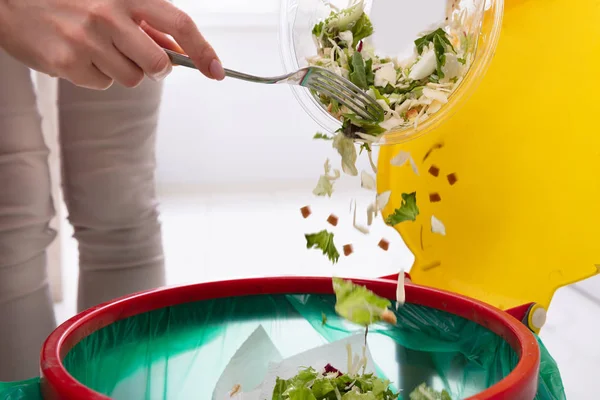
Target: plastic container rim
point(57, 383)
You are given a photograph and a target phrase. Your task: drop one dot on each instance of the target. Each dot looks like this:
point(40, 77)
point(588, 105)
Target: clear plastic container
point(481, 17)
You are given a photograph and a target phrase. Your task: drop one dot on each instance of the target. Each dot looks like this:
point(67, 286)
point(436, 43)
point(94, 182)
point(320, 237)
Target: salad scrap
point(409, 91)
point(305, 211)
point(423, 392)
point(323, 241)
point(359, 305)
point(408, 210)
point(331, 384)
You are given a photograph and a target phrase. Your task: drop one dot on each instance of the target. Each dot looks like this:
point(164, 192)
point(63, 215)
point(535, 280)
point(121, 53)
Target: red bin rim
point(57, 383)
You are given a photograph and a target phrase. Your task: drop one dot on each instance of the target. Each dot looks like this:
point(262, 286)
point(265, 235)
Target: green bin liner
point(179, 352)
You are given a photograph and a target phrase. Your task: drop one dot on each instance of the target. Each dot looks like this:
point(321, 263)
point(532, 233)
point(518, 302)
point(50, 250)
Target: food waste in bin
point(343, 369)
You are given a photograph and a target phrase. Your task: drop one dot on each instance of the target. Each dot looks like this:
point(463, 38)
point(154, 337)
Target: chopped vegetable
point(358, 304)
point(348, 249)
point(403, 157)
point(424, 392)
point(323, 318)
point(347, 151)
point(325, 184)
point(359, 228)
point(383, 199)
point(384, 245)
point(329, 383)
point(452, 179)
point(368, 181)
point(437, 226)
point(435, 197)
point(400, 291)
point(305, 211)
point(323, 241)
point(408, 210)
point(408, 90)
point(435, 171)
point(322, 136)
point(333, 220)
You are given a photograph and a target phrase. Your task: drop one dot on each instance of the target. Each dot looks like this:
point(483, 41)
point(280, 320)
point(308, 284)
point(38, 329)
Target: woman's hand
point(95, 42)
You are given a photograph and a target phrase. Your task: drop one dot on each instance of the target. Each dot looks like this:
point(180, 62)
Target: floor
point(232, 235)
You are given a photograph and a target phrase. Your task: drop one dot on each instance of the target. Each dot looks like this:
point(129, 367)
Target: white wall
point(235, 133)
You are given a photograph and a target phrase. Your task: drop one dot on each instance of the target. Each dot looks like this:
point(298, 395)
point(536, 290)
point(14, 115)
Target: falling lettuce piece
point(368, 181)
point(383, 199)
point(423, 392)
point(400, 291)
point(408, 210)
point(323, 241)
point(322, 136)
point(437, 226)
point(358, 304)
point(347, 151)
point(325, 185)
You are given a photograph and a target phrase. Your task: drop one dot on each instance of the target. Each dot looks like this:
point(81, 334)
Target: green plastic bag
point(180, 352)
point(25, 390)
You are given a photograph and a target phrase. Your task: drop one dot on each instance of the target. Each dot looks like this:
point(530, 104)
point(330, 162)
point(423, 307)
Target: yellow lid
point(523, 217)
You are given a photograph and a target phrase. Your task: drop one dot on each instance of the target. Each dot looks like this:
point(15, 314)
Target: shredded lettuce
point(408, 210)
point(323, 241)
point(424, 392)
point(312, 385)
point(347, 151)
point(358, 304)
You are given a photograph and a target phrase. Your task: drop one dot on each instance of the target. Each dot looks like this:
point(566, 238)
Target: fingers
point(114, 64)
point(160, 38)
point(167, 18)
point(90, 78)
point(143, 51)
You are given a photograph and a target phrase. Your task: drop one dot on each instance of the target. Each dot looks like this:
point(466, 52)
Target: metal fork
point(318, 79)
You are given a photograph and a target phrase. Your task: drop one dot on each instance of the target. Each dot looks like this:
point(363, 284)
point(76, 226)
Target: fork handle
point(185, 61)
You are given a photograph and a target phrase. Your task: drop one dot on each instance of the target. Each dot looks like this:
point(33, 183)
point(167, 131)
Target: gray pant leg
point(108, 154)
point(26, 313)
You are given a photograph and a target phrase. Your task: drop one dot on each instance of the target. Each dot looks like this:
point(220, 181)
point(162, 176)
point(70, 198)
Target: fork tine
point(323, 89)
point(349, 90)
point(347, 85)
point(344, 83)
point(362, 100)
point(344, 98)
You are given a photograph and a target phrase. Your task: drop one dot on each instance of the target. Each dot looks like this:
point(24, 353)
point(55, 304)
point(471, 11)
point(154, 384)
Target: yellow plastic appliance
point(523, 215)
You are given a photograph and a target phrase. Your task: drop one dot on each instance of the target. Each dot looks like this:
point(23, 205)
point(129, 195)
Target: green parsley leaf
point(363, 28)
point(322, 136)
point(358, 74)
point(358, 304)
point(323, 241)
point(408, 210)
point(462, 60)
